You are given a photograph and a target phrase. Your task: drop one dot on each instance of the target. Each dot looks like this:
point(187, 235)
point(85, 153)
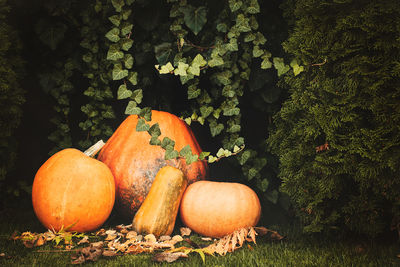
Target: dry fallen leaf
point(169, 257)
point(150, 238)
point(131, 235)
point(164, 238)
point(177, 238)
point(185, 231)
point(84, 240)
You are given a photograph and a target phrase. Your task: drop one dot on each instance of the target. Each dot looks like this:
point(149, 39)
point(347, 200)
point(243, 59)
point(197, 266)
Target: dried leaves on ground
point(123, 240)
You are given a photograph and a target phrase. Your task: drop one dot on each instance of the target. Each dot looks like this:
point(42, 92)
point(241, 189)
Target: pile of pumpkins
point(74, 190)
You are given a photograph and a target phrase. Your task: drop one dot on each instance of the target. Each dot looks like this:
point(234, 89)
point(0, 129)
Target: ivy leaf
point(185, 151)
point(232, 45)
point(113, 35)
point(167, 143)
point(193, 92)
point(254, 7)
point(264, 185)
point(50, 34)
point(118, 4)
point(132, 108)
point(171, 154)
point(114, 54)
point(128, 61)
point(222, 27)
point(181, 69)
point(146, 113)
point(235, 5)
point(272, 196)
point(115, 19)
point(132, 78)
point(142, 126)
point(257, 52)
point(199, 61)
point(154, 130)
point(123, 92)
point(126, 44)
point(194, 70)
point(191, 158)
point(137, 95)
point(165, 69)
point(126, 29)
point(212, 159)
point(280, 66)
point(242, 23)
point(195, 18)
point(217, 129)
point(163, 52)
point(215, 61)
point(118, 73)
point(296, 68)
point(155, 141)
point(203, 155)
point(266, 63)
point(206, 111)
point(126, 13)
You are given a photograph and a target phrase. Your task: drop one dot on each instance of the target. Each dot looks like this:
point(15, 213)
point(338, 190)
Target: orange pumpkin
point(135, 163)
point(216, 209)
point(72, 190)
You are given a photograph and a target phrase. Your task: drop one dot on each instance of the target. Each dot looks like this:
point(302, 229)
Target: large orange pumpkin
point(72, 190)
point(135, 163)
point(216, 209)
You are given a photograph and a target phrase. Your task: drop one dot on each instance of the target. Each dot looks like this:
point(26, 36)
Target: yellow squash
point(158, 212)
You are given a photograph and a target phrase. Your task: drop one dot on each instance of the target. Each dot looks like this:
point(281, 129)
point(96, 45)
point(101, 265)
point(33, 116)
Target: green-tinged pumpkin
point(216, 209)
point(158, 212)
point(135, 163)
point(74, 191)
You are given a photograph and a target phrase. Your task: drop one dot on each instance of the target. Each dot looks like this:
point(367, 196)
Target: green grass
point(295, 250)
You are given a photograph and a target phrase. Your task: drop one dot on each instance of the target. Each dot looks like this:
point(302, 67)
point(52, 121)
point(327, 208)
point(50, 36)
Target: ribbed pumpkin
point(158, 212)
point(135, 163)
point(216, 209)
point(73, 189)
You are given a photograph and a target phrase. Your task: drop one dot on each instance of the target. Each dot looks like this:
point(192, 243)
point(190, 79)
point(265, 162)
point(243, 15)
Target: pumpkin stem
point(92, 151)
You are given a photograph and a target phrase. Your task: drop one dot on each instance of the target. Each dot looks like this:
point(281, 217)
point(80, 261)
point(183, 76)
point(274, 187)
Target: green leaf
point(193, 92)
point(206, 111)
point(296, 68)
point(132, 108)
point(232, 45)
point(215, 61)
point(191, 158)
point(155, 141)
point(154, 130)
point(217, 129)
point(266, 64)
point(235, 5)
point(165, 69)
point(199, 61)
point(212, 159)
point(132, 78)
point(146, 113)
point(118, 4)
point(114, 54)
point(203, 155)
point(167, 143)
point(49, 33)
point(128, 61)
point(242, 23)
point(236, 149)
point(264, 185)
point(195, 18)
point(185, 151)
point(123, 92)
point(126, 44)
point(115, 19)
point(280, 66)
point(142, 126)
point(194, 70)
point(272, 196)
point(171, 154)
point(113, 35)
point(126, 13)
point(181, 69)
point(222, 27)
point(137, 95)
point(118, 73)
point(257, 52)
point(244, 156)
point(126, 29)
point(163, 52)
point(254, 7)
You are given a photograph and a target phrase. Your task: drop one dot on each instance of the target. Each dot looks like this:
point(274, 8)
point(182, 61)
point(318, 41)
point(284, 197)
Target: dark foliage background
point(83, 66)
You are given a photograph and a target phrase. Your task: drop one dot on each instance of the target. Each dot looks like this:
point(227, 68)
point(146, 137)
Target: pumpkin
point(135, 163)
point(73, 191)
point(216, 209)
point(158, 212)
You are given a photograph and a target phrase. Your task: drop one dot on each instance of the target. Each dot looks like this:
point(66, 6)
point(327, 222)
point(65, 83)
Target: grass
point(295, 250)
